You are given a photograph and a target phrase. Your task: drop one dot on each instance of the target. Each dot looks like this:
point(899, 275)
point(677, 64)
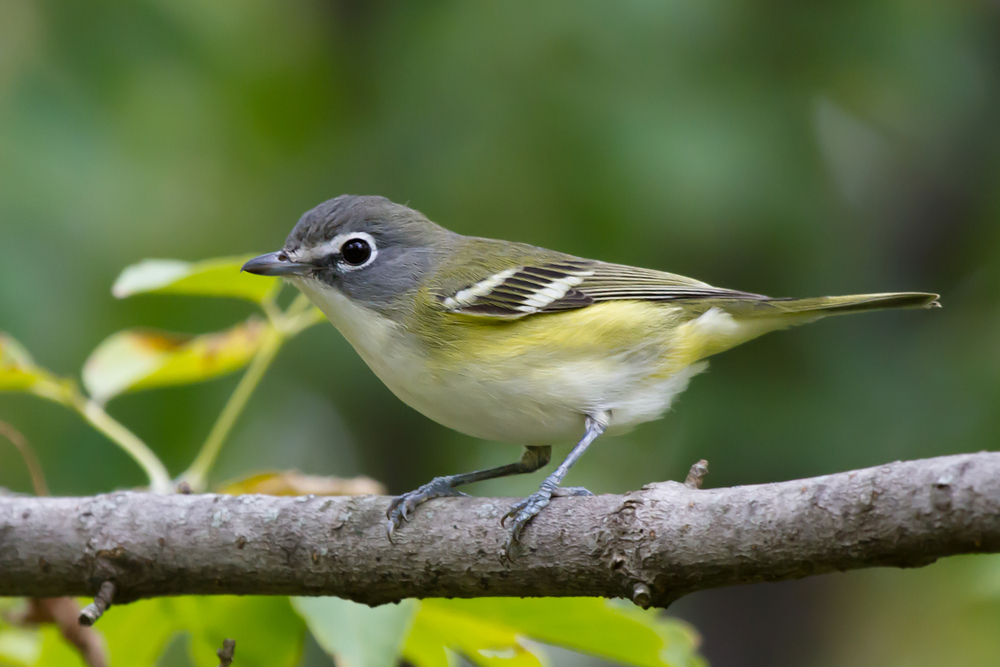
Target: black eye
point(356, 252)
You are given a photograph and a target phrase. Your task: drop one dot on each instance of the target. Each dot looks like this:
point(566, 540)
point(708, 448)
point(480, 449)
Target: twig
point(696, 475)
point(102, 601)
point(226, 652)
point(667, 537)
point(641, 595)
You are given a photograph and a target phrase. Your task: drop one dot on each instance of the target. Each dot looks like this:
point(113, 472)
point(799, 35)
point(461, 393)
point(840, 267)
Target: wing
point(567, 283)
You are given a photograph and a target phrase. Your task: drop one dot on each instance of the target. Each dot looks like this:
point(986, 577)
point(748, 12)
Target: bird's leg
point(524, 511)
point(401, 506)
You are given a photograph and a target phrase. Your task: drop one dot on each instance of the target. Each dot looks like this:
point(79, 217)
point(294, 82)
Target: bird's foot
point(524, 511)
point(402, 506)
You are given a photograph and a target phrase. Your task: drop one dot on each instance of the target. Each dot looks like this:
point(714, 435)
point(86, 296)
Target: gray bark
point(653, 545)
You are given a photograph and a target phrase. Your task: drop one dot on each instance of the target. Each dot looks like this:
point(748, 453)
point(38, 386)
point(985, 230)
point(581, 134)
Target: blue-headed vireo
point(505, 341)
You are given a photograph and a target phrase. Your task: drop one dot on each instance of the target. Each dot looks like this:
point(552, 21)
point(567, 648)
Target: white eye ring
point(338, 242)
point(334, 245)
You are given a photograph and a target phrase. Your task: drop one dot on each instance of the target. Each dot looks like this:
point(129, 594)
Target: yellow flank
point(665, 338)
point(608, 328)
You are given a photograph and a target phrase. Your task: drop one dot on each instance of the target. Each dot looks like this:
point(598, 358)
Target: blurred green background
point(792, 149)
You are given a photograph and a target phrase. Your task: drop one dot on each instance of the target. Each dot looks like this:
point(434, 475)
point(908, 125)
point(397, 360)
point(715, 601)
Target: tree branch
point(652, 545)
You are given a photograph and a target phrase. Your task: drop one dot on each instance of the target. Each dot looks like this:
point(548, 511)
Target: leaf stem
point(197, 475)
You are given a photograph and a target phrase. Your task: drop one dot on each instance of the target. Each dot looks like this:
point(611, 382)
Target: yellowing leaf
point(141, 359)
point(294, 483)
point(495, 631)
point(210, 277)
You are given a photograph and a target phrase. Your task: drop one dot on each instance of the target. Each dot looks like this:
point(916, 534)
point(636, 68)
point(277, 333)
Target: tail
point(855, 303)
point(719, 324)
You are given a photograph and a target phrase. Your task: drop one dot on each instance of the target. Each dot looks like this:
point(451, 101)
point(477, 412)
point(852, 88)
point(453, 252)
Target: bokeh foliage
point(783, 148)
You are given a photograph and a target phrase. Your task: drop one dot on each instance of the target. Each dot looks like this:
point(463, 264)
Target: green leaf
point(211, 277)
point(267, 631)
point(441, 626)
point(490, 629)
point(57, 652)
point(142, 359)
point(357, 635)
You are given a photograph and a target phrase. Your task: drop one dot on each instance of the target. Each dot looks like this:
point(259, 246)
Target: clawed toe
point(520, 514)
point(524, 511)
point(403, 506)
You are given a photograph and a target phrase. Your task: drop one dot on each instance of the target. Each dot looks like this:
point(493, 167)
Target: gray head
point(368, 248)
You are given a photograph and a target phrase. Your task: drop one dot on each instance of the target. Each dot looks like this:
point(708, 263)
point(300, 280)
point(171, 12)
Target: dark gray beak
point(274, 264)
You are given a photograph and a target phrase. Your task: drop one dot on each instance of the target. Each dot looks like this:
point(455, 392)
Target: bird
point(509, 342)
